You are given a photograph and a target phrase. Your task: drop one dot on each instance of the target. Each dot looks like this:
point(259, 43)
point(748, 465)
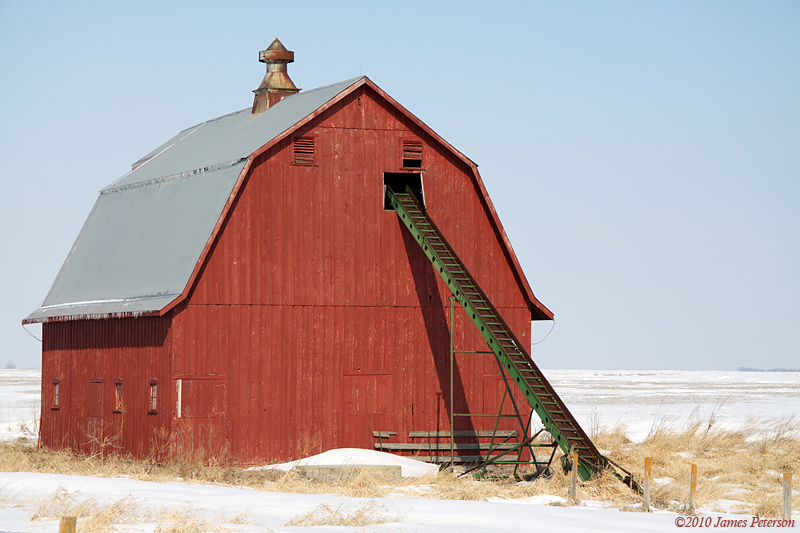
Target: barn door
point(94, 415)
point(202, 408)
point(366, 397)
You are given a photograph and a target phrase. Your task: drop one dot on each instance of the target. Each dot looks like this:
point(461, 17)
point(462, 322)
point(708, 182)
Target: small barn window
point(153, 397)
point(398, 181)
point(118, 396)
point(56, 386)
point(412, 154)
point(304, 148)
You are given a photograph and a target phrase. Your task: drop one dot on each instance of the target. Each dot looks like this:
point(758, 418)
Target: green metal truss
point(510, 354)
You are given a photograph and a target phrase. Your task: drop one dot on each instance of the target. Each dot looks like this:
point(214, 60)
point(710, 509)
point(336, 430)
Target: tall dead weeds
point(371, 513)
point(741, 466)
point(95, 516)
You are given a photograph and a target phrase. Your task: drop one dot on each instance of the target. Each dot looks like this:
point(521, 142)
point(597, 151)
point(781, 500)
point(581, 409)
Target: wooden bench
point(444, 446)
point(459, 433)
point(438, 444)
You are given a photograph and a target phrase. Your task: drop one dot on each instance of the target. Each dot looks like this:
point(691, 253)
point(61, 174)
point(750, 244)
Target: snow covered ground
point(355, 456)
point(221, 505)
point(638, 400)
point(19, 403)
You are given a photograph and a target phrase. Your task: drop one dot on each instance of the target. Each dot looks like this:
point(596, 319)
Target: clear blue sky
point(644, 157)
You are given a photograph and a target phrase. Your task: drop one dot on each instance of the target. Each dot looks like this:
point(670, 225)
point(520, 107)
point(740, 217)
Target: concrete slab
point(338, 474)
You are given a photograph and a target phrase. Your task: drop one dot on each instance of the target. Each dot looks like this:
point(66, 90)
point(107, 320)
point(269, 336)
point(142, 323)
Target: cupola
point(276, 83)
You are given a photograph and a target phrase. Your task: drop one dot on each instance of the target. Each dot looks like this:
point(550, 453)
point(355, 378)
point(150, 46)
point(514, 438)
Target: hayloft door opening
point(398, 181)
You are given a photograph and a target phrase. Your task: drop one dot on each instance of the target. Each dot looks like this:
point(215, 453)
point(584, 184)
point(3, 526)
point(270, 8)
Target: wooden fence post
point(787, 497)
point(573, 489)
point(648, 464)
point(67, 524)
point(693, 488)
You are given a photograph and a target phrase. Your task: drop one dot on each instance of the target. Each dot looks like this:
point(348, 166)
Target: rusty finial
point(276, 83)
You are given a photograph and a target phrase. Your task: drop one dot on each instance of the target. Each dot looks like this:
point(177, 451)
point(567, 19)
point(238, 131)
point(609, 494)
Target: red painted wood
point(340, 294)
point(133, 350)
point(314, 314)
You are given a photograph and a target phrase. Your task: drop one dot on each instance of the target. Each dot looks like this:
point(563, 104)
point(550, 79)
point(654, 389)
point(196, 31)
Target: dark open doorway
point(398, 181)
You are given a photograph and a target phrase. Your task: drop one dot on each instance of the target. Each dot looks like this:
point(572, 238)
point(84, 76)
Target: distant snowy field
point(638, 400)
point(20, 404)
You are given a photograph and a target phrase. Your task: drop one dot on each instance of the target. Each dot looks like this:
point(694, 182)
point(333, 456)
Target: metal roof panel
point(147, 230)
point(139, 245)
point(230, 137)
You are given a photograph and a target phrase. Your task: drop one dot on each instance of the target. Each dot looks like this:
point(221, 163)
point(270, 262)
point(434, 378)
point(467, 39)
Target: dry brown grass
point(20, 456)
point(95, 516)
point(742, 465)
point(369, 514)
point(242, 518)
point(184, 521)
point(63, 503)
point(738, 470)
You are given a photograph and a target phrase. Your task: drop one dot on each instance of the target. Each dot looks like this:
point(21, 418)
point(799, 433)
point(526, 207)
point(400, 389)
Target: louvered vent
point(304, 150)
point(412, 154)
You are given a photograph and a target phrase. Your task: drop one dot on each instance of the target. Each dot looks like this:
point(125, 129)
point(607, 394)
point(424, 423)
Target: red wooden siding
point(87, 357)
point(314, 320)
point(321, 313)
point(301, 235)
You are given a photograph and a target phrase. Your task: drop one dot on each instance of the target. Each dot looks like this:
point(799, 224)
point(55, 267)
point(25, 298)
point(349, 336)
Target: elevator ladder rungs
point(509, 351)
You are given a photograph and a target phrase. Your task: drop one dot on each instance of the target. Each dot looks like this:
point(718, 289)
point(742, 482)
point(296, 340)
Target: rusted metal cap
point(276, 53)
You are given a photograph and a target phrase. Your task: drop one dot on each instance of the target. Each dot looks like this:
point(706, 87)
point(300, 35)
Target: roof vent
point(276, 83)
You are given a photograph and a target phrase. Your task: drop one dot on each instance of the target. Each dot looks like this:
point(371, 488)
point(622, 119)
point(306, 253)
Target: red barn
point(247, 291)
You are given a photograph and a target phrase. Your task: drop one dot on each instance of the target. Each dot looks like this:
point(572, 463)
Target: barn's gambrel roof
point(142, 246)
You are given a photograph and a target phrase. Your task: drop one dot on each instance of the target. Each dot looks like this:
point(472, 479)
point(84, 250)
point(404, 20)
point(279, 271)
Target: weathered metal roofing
point(142, 244)
point(228, 138)
point(147, 230)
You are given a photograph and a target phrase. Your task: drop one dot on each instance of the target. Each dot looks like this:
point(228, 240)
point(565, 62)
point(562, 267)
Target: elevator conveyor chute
point(510, 353)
